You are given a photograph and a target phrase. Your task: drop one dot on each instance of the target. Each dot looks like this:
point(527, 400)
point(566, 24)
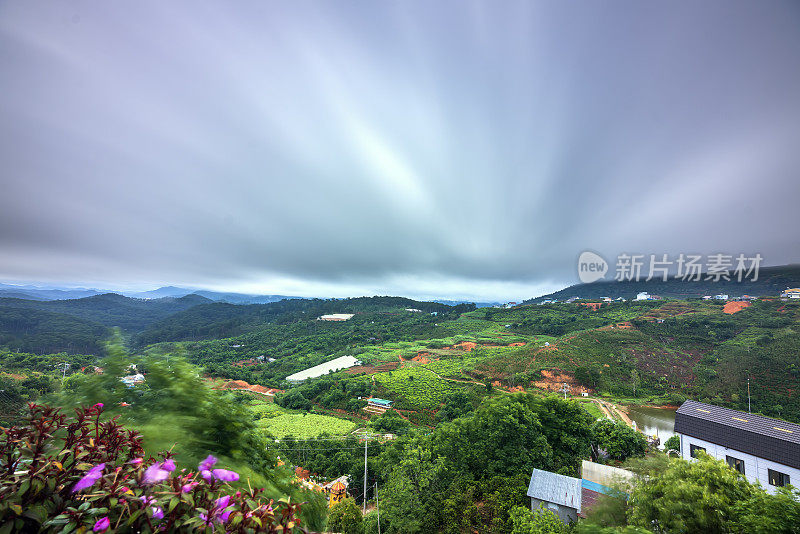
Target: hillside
point(220, 320)
point(111, 309)
point(771, 281)
point(40, 331)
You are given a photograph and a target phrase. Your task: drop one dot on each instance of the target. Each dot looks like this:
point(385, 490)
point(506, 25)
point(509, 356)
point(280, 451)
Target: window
point(736, 463)
point(693, 450)
point(776, 478)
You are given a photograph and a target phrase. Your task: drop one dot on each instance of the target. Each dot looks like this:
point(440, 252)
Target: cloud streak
point(398, 148)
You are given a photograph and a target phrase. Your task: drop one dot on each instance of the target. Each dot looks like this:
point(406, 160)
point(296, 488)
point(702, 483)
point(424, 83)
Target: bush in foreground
point(65, 474)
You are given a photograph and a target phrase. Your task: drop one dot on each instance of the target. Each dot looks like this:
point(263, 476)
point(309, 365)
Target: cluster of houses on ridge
point(789, 293)
point(764, 450)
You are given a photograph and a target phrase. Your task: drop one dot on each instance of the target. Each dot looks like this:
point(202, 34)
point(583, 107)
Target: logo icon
point(591, 267)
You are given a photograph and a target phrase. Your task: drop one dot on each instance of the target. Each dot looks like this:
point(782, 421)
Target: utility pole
point(366, 440)
point(378, 507)
point(565, 388)
point(748, 395)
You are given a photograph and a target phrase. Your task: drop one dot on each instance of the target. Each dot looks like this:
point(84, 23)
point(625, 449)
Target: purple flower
point(154, 474)
point(208, 463)
point(90, 478)
point(102, 524)
point(168, 465)
point(147, 500)
point(225, 475)
point(158, 513)
point(136, 461)
point(224, 516)
point(223, 501)
point(186, 488)
point(207, 475)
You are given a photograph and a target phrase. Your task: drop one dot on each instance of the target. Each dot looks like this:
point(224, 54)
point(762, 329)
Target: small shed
point(558, 493)
point(380, 403)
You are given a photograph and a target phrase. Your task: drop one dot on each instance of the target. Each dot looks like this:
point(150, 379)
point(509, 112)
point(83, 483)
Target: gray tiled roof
point(555, 488)
point(760, 436)
point(766, 426)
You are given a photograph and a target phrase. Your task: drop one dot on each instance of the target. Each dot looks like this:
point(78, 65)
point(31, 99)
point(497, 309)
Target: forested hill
point(80, 325)
point(771, 281)
point(219, 320)
point(111, 309)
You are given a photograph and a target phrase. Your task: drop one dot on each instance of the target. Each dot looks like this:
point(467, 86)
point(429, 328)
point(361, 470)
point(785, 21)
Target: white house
point(721, 297)
point(644, 295)
point(763, 449)
point(791, 293)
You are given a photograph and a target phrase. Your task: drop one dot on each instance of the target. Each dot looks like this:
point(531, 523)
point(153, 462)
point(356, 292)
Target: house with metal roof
point(763, 449)
point(558, 493)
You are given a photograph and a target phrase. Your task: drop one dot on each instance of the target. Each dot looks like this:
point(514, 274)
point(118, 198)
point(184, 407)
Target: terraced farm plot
point(305, 425)
point(419, 388)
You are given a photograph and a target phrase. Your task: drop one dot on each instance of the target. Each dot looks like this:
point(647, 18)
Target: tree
point(541, 521)
point(634, 380)
point(390, 421)
point(617, 439)
point(697, 496)
point(673, 443)
point(345, 517)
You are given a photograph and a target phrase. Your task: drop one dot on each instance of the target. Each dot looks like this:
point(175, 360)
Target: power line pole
point(378, 507)
point(748, 395)
point(366, 440)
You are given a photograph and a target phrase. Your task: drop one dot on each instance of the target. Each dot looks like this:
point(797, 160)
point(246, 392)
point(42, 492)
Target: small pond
point(654, 421)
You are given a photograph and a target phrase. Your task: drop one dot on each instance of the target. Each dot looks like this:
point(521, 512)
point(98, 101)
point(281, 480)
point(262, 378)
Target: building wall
point(755, 468)
point(565, 513)
point(606, 475)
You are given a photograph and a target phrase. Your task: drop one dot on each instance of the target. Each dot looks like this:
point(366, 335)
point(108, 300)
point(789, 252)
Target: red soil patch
point(419, 358)
point(518, 344)
point(254, 388)
point(466, 345)
point(12, 375)
point(517, 389)
point(245, 363)
point(593, 305)
point(735, 306)
point(554, 380)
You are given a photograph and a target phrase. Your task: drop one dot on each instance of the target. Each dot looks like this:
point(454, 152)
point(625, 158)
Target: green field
point(305, 425)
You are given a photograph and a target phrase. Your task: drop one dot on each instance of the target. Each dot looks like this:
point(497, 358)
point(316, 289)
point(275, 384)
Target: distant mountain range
point(771, 281)
point(46, 293)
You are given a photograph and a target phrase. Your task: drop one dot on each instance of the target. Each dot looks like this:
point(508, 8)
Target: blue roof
point(381, 401)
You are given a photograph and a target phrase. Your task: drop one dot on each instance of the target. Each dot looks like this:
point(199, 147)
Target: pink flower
point(154, 474)
point(90, 478)
point(208, 463)
point(207, 475)
point(102, 524)
point(158, 513)
point(225, 475)
point(168, 465)
point(186, 488)
point(136, 461)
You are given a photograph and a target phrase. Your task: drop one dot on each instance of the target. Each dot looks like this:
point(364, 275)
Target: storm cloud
point(428, 149)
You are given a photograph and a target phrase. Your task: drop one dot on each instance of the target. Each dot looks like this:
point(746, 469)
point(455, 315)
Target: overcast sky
point(430, 149)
